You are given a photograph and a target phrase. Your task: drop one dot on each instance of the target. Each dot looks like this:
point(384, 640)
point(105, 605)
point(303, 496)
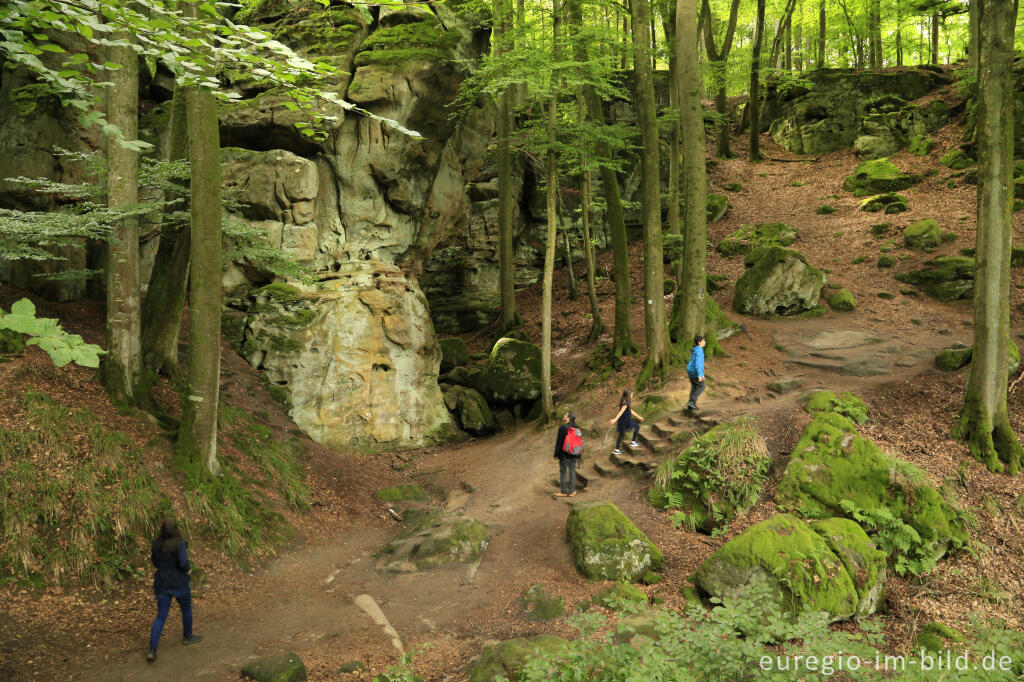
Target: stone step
point(644, 463)
point(679, 419)
point(606, 467)
point(665, 429)
point(654, 443)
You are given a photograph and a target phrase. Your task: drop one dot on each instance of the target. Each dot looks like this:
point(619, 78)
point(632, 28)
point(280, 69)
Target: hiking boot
point(192, 640)
point(151, 656)
point(616, 451)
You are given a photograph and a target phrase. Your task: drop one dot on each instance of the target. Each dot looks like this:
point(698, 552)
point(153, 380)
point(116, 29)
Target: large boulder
point(607, 546)
point(505, 659)
point(284, 668)
point(512, 373)
point(863, 561)
point(777, 281)
point(434, 540)
point(923, 235)
point(947, 278)
point(798, 567)
point(834, 471)
point(453, 353)
point(469, 406)
point(878, 177)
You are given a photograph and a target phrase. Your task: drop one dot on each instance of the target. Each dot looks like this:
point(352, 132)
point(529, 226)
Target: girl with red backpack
point(568, 451)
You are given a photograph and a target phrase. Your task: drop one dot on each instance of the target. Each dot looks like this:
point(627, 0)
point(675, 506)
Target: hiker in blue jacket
point(566, 461)
point(170, 557)
point(695, 369)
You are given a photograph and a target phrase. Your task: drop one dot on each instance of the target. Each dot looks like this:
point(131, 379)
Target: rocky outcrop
point(871, 110)
point(777, 281)
point(947, 278)
point(434, 540)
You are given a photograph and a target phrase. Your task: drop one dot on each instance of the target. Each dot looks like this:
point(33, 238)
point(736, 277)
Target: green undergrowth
point(76, 501)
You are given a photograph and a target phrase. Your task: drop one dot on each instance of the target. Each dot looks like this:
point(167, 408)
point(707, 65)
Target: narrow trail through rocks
point(306, 598)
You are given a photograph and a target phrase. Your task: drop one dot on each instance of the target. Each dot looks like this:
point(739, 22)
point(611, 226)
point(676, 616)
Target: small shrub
point(825, 210)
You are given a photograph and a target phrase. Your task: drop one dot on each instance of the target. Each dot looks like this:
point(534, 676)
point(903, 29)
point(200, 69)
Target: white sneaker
point(616, 451)
point(634, 444)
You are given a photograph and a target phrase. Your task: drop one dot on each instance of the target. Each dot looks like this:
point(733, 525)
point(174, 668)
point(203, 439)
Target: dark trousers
point(636, 434)
point(567, 470)
point(696, 388)
point(163, 606)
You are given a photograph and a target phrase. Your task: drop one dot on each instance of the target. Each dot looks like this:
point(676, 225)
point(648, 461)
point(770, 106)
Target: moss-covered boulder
point(863, 561)
point(954, 357)
point(284, 668)
point(471, 409)
point(421, 39)
point(763, 234)
point(890, 202)
point(947, 278)
point(956, 159)
point(834, 471)
point(878, 177)
point(795, 563)
point(453, 353)
point(924, 235)
point(717, 205)
point(617, 595)
point(505, 659)
point(606, 545)
point(717, 477)
point(433, 540)
point(540, 606)
point(777, 281)
point(921, 145)
point(842, 300)
point(512, 373)
point(846, 404)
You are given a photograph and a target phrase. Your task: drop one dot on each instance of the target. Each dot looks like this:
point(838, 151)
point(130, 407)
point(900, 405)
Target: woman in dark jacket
point(169, 554)
point(566, 462)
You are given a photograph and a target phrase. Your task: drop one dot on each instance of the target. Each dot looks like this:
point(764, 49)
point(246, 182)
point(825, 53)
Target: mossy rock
point(351, 667)
point(825, 210)
point(11, 342)
point(878, 177)
point(512, 374)
point(453, 353)
point(402, 493)
point(846, 404)
point(432, 540)
point(642, 624)
point(956, 159)
point(606, 545)
point(284, 668)
point(833, 471)
point(885, 262)
point(921, 145)
point(398, 44)
point(880, 230)
point(891, 202)
point(716, 207)
point(505, 659)
point(732, 186)
point(864, 562)
point(763, 234)
point(947, 278)
point(943, 630)
point(924, 235)
point(777, 281)
point(651, 578)
point(622, 593)
point(795, 563)
point(471, 409)
point(539, 606)
point(842, 300)
point(954, 357)
point(930, 642)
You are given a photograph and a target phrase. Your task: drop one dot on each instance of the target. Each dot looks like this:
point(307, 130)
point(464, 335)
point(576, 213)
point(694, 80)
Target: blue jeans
point(567, 469)
point(163, 606)
point(696, 388)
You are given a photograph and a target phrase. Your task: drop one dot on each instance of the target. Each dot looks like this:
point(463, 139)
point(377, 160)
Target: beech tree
point(983, 421)
point(509, 317)
point(717, 60)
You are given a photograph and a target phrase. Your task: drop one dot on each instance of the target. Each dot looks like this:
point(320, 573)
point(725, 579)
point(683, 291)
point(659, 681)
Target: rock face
point(607, 546)
point(777, 281)
point(798, 565)
point(434, 540)
point(870, 109)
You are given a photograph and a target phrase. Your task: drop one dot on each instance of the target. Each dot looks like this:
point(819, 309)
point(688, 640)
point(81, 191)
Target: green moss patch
point(620, 595)
point(402, 493)
point(453, 353)
point(890, 202)
point(399, 44)
point(878, 177)
point(607, 546)
point(540, 606)
point(763, 234)
point(923, 235)
point(956, 159)
point(284, 668)
point(842, 300)
point(947, 278)
point(954, 357)
point(921, 145)
point(505, 659)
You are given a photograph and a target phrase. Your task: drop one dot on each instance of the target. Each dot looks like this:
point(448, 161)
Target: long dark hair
point(572, 419)
point(626, 399)
point(169, 539)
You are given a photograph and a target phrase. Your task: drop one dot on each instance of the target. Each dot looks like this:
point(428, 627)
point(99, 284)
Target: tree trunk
point(877, 62)
point(655, 327)
point(165, 297)
point(546, 401)
point(798, 40)
point(574, 291)
point(935, 38)
point(789, 46)
point(674, 218)
point(509, 318)
point(899, 39)
point(688, 311)
point(718, 59)
point(972, 35)
point(983, 421)
point(820, 62)
point(754, 104)
point(197, 437)
point(521, 36)
point(122, 364)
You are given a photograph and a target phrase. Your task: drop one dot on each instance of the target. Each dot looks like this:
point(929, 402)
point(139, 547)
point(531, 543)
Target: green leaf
point(50, 47)
point(60, 356)
point(24, 307)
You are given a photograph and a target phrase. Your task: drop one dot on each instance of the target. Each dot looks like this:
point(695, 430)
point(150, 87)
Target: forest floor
point(302, 598)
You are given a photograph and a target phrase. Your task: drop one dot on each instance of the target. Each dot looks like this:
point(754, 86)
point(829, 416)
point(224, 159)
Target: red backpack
point(573, 443)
